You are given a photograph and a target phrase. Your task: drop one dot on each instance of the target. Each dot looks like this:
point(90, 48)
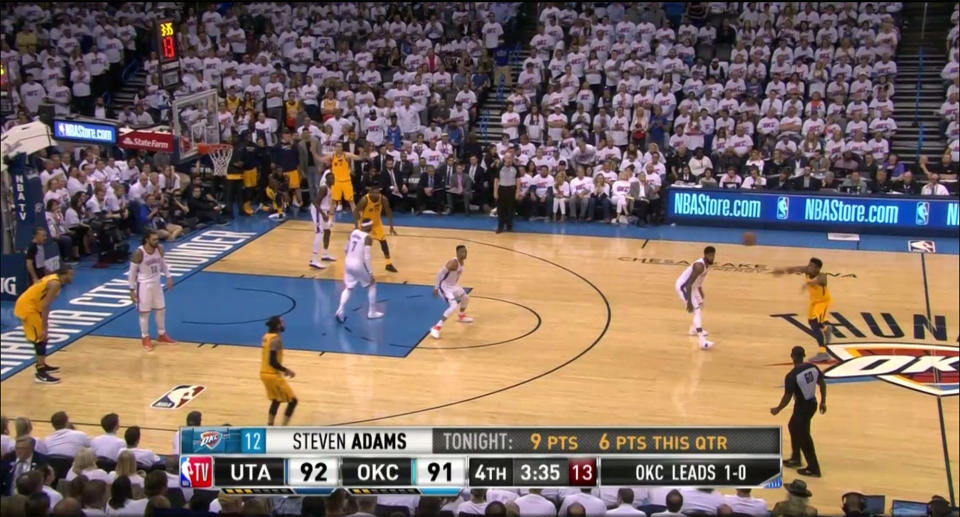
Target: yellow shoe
point(248, 208)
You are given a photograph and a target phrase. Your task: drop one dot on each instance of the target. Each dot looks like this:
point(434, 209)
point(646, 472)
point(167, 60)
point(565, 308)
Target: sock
point(161, 321)
point(389, 261)
point(144, 324)
point(698, 320)
point(317, 242)
point(344, 296)
point(372, 296)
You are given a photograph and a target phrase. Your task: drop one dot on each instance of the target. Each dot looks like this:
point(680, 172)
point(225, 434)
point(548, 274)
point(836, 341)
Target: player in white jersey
point(690, 288)
point(448, 285)
point(146, 266)
point(359, 270)
point(322, 221)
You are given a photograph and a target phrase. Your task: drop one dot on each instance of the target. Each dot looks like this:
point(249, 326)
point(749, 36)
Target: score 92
point(433, 471)
point(313, 472)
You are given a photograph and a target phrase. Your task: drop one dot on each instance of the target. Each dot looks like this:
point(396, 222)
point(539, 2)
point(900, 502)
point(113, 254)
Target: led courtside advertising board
point(863, 214)
point(85, 132)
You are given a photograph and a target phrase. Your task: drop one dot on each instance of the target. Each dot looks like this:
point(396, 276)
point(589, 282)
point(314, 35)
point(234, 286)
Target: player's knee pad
point(40, 348)
point(274, 406)
point(290, 407)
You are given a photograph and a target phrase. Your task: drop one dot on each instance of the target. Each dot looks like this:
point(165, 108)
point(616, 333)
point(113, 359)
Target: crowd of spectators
point(949, 112)
point(70, 473)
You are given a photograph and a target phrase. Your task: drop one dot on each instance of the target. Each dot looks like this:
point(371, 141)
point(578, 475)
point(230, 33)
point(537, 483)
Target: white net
point(220, 155)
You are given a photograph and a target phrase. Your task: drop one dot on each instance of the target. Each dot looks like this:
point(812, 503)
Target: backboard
point(195, 120)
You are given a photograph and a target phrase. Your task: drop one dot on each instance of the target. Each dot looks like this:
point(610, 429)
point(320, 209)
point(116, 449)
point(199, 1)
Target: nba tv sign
point(930, 369)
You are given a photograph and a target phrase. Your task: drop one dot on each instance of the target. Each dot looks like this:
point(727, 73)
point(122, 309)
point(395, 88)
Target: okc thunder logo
point(783, 207)
point(209, 439)
point(923, 213)
point(930, 369)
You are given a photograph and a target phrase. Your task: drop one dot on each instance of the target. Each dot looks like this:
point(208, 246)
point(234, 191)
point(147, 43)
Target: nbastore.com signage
point(915, 216)
point(84, 132)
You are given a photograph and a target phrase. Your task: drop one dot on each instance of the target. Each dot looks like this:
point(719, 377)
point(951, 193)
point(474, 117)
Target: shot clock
point(168, 53)
point(443, 461)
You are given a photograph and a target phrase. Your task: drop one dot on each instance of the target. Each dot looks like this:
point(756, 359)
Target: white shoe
point(282, 216)
point(463, 318)
point(373, 315)
point(693, 332)
point(706, 345)
point(340, 317)
point(328, 257)
point(435, 332)
point(274, 216)
point(316, 265)
point(339, 208)
point(493, 213)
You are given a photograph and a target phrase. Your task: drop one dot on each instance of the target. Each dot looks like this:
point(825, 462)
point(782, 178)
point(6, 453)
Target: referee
point(801, 383)
point(505, 193)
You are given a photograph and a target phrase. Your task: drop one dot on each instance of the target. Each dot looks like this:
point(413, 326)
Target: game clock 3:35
point(550, 472)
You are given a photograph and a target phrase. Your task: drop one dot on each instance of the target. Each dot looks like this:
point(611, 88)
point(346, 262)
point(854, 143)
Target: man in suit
point(25, 461)
point(781, 181)
point(806, 181)
point(480, 181)
point(459, 186)
point(393, 184)
point(430, 191)
point(308, 147)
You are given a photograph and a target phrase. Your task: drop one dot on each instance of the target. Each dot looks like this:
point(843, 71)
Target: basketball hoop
point(219, 154)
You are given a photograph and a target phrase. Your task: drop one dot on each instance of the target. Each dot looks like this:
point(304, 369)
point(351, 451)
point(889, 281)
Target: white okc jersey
point(321, 223)
point(695, 299)
point(449, 284)
point(356, 269)
point(151, 267)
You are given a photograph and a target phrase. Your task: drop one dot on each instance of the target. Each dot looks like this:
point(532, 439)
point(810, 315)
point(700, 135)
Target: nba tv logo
point(196, 471)
point(923, 213)
point(783, 207)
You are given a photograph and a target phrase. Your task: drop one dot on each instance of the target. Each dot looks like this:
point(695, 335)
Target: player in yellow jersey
point(33, 309)
point(341, 163)
point(371, 206)
point(820, 300)
point(272, 372)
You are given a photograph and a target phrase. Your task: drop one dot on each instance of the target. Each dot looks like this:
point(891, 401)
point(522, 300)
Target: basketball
point(749, 238)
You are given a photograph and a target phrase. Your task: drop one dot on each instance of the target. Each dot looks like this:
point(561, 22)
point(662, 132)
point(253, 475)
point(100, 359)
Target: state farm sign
point(147, 141)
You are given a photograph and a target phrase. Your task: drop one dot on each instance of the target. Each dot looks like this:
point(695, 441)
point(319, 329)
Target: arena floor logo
point(930, 368)
point(730, 267)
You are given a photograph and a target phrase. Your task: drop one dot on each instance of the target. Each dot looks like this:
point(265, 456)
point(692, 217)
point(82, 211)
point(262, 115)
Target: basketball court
point(570, 330)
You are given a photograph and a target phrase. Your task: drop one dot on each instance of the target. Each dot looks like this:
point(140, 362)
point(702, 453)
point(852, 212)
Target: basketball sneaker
point(329, 258)
point(435, 332)
point(706, 345)
point(821, 357)
point(463, 318)
point(340, 317)
point(49, 368)
point(373, 315)
point(316, 265)
point(248, 208)
point(147, 344)
point(165, 338)
point(45, 378)
point(275, 216)
point(391, 268)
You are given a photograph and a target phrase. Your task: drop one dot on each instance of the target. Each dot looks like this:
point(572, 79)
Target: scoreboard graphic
point(442, 461)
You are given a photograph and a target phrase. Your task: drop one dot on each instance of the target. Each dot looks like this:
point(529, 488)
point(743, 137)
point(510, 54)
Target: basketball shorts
point(32, 324)
point(293, 178)
point(453, 293)
point(277, 387)
point(250, 178)
point(697, 299)
point(355, 274)
point(324, 223)
point(818, 311)
point(342, 191)
point(150, 297)
point(376, 231)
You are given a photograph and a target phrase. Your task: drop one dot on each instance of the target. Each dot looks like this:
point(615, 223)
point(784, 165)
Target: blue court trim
point(240, 304)
point(717, 235)
point(89, 278)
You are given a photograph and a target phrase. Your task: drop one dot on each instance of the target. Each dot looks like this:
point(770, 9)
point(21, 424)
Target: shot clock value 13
point(167, 40)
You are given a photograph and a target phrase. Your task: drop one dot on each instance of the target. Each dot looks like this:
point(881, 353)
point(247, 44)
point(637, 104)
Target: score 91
point(313, 472)
point(434, 471)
